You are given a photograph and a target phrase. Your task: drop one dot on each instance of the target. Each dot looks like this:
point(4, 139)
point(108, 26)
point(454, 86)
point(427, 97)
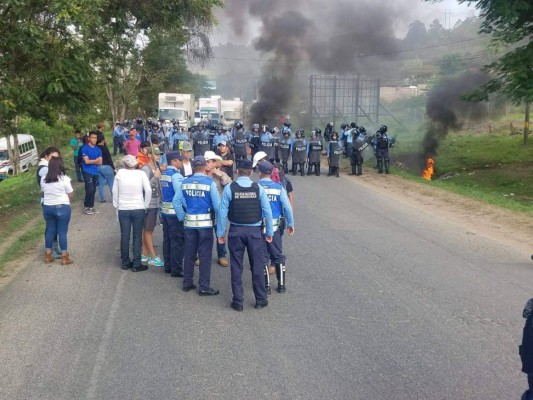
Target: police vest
point(167, 191)
point(196, 191)
point(245, 204)
point(383, 143)
point(273, 191)
point(315, 145)
point(240, 139)
point(255, 141)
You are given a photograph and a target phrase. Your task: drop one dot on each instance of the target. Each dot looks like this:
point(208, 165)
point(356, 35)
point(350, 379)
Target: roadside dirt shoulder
point(511, 228)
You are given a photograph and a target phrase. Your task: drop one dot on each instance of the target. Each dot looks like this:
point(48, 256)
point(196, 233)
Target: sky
point(421, 10)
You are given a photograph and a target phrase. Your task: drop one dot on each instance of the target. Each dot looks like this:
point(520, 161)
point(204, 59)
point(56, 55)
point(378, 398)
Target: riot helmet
point(254, 127)
point(362, 129)
point(264, 128)
point(300, 133)
point(383, 128)
point(274, 130)
point(238, 125)
point(287, 124)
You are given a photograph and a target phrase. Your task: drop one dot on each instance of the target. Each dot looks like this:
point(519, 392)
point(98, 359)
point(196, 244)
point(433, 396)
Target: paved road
point(384, 302)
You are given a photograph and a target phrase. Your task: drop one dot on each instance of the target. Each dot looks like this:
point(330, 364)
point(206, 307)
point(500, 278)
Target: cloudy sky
point(421, 10)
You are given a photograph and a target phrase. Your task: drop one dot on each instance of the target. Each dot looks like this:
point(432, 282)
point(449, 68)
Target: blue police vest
point(273, 191)
point(167, 191)
point(197, 194)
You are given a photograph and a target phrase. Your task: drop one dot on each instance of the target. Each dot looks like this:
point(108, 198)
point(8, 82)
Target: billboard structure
point(338, 99)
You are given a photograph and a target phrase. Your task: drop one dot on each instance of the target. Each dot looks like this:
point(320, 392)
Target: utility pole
point(526, 124)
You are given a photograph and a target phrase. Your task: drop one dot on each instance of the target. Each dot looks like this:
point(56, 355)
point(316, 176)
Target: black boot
point(302, 167)
point(309, 167)
point(359, 169)
point(380, 166)
point(285, 167)
point(354, 170)
point(280, 274)
point(294, 166)
point(337, 171)
point(329, 173)
point(317, 169)
point(386, 166)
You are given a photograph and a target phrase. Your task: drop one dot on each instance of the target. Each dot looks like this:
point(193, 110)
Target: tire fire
point(428, 172)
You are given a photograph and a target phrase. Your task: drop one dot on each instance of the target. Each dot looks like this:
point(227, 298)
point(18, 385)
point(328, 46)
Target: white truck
point(209, 108)
point(231, 111)
point(178, 107)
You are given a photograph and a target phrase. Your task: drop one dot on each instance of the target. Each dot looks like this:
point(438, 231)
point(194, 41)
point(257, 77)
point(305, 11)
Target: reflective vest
point(273, 191)
point(245, 204)
point(196, 191)
point(167, 191)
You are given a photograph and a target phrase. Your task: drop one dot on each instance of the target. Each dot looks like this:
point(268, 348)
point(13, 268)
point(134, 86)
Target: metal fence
point(340, 99)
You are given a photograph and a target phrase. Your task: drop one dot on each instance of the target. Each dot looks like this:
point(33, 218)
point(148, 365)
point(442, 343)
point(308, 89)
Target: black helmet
point(274, 130)
point(139, 120)
point(343, 125)
point(353, 125)
point(255, 126)
point(362, 129)
point(238, 125)
point(300, 132)
point(264, 128)
point(287, 124)
point(219, 127)
point(383, 128)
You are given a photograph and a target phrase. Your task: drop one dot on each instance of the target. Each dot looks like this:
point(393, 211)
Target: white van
point(28, 154)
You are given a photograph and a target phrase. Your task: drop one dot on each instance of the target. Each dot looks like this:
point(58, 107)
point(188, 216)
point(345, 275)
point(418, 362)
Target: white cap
point(258, 156)
point(210, 155)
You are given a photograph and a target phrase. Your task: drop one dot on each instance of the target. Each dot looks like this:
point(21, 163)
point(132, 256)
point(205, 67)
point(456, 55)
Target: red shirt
point(132, 146)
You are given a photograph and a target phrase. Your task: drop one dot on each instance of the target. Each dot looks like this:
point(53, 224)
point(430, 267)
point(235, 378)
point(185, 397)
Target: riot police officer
point(285, 145)
point(275, 142)
point(359, 143)
point(328, 131)
point(281, 214)
point(299, 152)
point(254, 139)
point(526, 349)
point(382, 149)
point(334, 152)
point(266, 143)
point(239, 141)
point(201, 140)
point(314, 152)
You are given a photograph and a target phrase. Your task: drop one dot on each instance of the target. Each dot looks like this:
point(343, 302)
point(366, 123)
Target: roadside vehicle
point(28, 154)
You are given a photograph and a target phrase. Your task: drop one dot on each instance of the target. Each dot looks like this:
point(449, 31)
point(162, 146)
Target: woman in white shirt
point(57, 194)
point(131, 197)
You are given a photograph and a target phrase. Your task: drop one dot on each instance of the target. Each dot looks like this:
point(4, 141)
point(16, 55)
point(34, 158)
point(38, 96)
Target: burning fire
point(428, 172)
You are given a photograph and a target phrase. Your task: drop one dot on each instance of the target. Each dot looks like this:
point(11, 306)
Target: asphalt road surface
point(383, 301)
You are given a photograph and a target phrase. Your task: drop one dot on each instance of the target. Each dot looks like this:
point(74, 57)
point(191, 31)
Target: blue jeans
point(90, 189)
point(78, 168)
point(105, 175)
point(128, 220)
point(57, 219)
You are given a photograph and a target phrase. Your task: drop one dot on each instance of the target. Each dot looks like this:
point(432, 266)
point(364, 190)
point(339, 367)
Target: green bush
point(57, 135)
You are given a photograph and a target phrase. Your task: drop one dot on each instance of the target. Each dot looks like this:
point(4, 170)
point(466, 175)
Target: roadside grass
point(495, 168)
point(28, 240)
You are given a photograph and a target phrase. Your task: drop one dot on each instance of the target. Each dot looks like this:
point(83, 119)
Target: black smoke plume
point(447, 111)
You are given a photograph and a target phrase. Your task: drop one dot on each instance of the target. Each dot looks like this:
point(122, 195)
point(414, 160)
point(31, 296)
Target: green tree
point(451, 64)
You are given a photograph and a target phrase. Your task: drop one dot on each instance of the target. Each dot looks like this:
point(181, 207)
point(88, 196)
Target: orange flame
point(428, 172)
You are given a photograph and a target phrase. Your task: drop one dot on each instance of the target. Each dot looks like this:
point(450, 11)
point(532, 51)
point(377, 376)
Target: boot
point(48, 257)
point(386, 166)
point(329, 171)
point(267, 280)
point(337, 171)
point(294, 166)
point(354, 170)
point(317, 169)
point(359, 169)
point(302, 168)
point(285, 167)
point(280, 274)
point(65, 259)
point(380, 166)
point(309, 167)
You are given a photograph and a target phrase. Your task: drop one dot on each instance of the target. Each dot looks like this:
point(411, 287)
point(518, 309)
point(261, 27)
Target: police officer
point(285, 145)
point(275, 142)
point(281, 214)
point(382, 149)
point(266, 144)
point(200, 198)
point(245, 204)
point(220, 136)
point(239, 141)
point(526, 349)
point(201, 140)
point(179, 136)
point(327, 131)
point(299, 152)
point(314, 152)
point(359, 144)
point(334, 153)
point(254, 139)
point(173, 233)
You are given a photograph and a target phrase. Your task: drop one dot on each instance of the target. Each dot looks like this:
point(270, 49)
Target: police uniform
point(267, 145)
point(254, 140)
point(382, 151)
point(299, 154)
point(245, 204)
point(200, 198)
point(314, 155)
point(285, 144)
point(359, 143)
point(281, 213)
point(334, 152)
point(173, 233)
point(201, 142)
point(240, 144)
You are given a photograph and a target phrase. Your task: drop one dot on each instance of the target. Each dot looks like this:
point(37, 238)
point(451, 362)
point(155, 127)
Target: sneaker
point(88, 211)
point(93, 209)
point(223, 262)
point(145, 259)
point(103, 201)
point(156, 262)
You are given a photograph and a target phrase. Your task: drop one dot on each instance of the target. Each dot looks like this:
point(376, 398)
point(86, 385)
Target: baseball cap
point(222, 143)
point(154, 150)
point(187, 146)
point(198, 161)
point(244, 164)
point(210, 155)
point(130, 161)
point(258, 156)
point(265, 167)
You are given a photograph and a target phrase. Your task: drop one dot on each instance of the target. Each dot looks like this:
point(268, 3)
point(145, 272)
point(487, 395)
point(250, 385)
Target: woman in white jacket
point(131, 197)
